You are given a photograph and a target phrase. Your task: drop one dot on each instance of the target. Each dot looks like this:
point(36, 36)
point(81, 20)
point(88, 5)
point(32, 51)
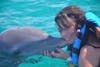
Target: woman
point(70, 20)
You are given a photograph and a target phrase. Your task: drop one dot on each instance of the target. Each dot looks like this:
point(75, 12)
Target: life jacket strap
point(75, 50)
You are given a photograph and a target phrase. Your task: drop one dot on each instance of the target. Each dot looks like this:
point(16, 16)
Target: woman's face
point(69, 35)
point(67, 32)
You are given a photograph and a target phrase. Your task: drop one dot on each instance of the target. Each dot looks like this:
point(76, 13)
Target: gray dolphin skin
point(38, 47)
point(21, 34)
point(18, 43)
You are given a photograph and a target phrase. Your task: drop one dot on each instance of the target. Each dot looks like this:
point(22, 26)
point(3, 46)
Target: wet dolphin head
point(28, 41)
point(23, 42)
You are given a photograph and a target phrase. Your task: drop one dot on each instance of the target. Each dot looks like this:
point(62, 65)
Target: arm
point(98, 32)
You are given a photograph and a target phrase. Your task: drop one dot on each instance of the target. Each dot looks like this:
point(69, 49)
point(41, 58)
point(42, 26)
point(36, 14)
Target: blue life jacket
point(92, 18)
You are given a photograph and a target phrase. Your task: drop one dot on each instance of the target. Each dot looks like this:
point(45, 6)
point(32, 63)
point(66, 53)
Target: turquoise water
point(39, 13)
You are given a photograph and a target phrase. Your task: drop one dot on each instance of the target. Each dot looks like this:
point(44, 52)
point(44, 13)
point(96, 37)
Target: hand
point(60, 54)
point(57, 53)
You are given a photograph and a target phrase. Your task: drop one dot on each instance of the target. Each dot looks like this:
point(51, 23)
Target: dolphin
point(19, 43)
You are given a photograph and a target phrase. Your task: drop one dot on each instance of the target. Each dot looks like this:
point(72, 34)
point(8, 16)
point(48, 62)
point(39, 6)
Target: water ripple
point(39, 13)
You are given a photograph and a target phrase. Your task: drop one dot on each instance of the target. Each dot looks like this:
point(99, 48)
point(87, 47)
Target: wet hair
point(72, 12)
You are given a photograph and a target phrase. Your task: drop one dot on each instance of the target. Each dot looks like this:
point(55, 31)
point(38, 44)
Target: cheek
point(69, 36)
point(67, 32)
